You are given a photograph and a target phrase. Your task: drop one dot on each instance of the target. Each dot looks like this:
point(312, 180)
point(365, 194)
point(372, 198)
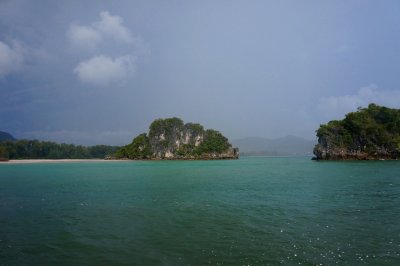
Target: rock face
point(172, 139)
point(371, 133)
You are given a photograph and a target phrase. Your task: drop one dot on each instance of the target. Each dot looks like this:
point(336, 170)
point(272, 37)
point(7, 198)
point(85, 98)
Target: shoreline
point(37, 161)
point(30, 161)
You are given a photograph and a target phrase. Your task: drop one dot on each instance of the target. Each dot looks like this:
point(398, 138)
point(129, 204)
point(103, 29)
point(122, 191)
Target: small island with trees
point(371, 133)
point(172, 139)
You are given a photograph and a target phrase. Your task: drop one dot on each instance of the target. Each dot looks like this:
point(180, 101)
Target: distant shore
point(34, 161)
point(25, 161)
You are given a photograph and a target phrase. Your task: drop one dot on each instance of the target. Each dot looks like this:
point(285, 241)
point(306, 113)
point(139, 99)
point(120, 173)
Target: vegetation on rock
point(213, 142)
point(368, 133)
point(138, 149)
point(171, 138)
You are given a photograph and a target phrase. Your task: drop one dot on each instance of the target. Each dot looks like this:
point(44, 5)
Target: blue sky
point(91, 72)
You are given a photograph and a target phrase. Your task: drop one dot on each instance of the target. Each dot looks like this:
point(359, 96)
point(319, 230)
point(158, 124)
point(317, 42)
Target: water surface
point(252, 211)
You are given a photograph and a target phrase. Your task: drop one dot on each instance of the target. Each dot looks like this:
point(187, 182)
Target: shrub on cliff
point(214, 142)
point(138, 149)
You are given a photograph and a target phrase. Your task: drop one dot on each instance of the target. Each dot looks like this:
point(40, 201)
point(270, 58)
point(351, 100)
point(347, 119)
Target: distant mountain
point(5, 136)
point(289, 145)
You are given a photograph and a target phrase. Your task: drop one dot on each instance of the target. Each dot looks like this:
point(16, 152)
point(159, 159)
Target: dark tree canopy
point(374, 130)
point(35, 149)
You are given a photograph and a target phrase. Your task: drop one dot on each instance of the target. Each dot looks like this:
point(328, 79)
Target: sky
point(99, 72)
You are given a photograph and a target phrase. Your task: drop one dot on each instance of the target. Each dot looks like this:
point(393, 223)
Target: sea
point(251, 211)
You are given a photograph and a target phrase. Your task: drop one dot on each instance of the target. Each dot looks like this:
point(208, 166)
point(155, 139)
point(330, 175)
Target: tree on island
point(3, 154)
point(171, 138)
point(368, 133)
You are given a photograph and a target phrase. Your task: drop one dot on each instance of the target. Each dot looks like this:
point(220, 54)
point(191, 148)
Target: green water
point(252, 211)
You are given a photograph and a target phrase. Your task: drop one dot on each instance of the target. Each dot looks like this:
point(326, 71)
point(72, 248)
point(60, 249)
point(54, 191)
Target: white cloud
point(84, 37)
point(11, 57)
point(111, 26)
point(108, 28)
point(103, 70)
point(337, 107)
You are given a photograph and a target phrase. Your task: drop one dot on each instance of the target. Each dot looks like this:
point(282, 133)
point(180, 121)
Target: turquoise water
point(252, 211)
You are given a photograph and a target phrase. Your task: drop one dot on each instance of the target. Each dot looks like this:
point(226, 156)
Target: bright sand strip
point(23, 161)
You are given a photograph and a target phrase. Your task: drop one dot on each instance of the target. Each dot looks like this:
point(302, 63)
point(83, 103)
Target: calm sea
point(252, 211)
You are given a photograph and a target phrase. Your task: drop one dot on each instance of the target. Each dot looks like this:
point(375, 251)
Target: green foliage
point(185, 150)
point(196, 129)
point(138, 149)
point(34, 149)
point(165, 126)
point(214, 142)
point(334, 133)
point(368, 129)
point(3, 154)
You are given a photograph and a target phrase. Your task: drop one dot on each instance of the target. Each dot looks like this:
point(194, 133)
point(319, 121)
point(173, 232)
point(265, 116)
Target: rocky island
point(171, 139)
point(371, 133)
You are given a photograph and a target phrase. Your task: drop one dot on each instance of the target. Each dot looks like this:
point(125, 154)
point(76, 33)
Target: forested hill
point(170, 139)
point(5, 136)
point(368, 134)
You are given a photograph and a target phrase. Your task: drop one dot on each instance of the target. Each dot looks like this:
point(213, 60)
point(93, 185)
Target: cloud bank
point(103, 70)
point(11, 57)
point(337, 107)
point(108, 28)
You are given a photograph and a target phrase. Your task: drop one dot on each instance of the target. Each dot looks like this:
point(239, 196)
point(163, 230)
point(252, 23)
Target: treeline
point(35, 149)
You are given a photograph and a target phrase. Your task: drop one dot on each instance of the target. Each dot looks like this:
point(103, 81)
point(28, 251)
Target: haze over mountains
point(286, 146)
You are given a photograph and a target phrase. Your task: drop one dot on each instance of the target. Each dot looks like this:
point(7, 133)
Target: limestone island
point(171, 139)
point(371, 133)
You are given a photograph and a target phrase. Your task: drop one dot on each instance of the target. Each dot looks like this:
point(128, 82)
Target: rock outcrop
point(371, 133)
point(172, 139)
